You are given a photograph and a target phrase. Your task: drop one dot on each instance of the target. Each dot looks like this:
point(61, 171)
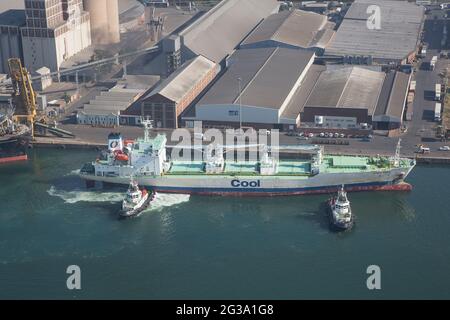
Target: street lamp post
point(240, 103)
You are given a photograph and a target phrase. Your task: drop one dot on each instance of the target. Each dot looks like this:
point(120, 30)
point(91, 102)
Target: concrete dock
point(96, 144)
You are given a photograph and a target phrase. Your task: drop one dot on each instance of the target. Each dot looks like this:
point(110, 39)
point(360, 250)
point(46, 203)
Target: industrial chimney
point(104, 20)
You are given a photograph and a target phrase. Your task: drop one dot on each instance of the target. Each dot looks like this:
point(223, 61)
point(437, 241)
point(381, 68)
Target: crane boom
point(24, 97)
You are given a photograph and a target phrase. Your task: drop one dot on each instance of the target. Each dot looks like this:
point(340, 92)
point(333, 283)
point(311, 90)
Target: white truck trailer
point(437, 91)
point(437, 112)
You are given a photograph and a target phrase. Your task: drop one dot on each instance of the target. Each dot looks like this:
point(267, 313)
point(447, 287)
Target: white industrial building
point(106, 109)
point(258, 88)
point(55, 31)
point(44, 81)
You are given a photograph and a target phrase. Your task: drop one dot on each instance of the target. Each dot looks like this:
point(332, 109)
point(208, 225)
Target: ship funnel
point(115, 142)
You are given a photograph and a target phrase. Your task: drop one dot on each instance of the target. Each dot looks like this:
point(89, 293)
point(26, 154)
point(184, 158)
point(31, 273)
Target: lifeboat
point(120, 156)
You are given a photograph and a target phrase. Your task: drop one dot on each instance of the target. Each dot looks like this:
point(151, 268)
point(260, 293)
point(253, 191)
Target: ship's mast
point(397, 154)
point(148, 124)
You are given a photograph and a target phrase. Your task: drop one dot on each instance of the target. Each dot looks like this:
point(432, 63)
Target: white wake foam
point(73, 173)
point(161, 200)
point(86, 196)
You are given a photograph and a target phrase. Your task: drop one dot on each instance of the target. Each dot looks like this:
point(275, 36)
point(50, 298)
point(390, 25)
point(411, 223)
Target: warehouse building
point(343, 98)
point(173, 95)
point(257, 89)
point(355, 97)
point(292, 29)
point(105, 109)
point(215, 35)
point(220, 30)
point(389, 113)
point(108, 109)
point(392, 38)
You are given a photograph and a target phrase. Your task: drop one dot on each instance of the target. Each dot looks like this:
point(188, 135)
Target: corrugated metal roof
point(396, 39)
point(393, 95)
point(323, 38)
point(95, 112)
point(112, 101)
point(300, 97)
point(220, 30)
point(296, 27)
point(182, 81)
point(267, 77)
point(348, 87)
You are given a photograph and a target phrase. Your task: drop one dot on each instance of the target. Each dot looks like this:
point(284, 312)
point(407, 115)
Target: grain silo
point(113, 20)
point(104, 20)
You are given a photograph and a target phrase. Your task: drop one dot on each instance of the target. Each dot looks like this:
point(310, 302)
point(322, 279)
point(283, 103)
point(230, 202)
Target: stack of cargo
point(410, 101)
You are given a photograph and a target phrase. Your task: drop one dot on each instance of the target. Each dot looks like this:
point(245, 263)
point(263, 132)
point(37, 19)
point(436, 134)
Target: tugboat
point(340, 211)
point(136, 200)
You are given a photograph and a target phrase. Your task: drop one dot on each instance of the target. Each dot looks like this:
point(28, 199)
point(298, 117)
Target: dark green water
point(200, 247)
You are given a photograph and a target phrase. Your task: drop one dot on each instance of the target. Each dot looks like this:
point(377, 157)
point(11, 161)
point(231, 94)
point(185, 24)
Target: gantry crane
point(24, 97)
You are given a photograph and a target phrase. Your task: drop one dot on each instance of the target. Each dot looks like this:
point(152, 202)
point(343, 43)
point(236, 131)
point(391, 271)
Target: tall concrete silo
point(113, 20)
point(104, 20)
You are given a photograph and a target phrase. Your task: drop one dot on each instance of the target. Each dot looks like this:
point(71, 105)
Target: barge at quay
point(14, 139)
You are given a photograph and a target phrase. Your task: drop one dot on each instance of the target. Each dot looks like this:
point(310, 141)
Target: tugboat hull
point(337, 225)
point(136, 212)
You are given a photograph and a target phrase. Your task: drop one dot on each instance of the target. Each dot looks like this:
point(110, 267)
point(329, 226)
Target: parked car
point(300, 134)
point(423, 149)
point(302, 138)
point(342, 135)
point(336, 135)
point(444, 148)
point(322, 134)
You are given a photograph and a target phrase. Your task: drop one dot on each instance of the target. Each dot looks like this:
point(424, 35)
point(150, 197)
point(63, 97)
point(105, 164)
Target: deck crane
point(24, 97)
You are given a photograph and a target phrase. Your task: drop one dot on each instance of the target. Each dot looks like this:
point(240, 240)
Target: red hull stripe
point(394, 187)
point(13, 159)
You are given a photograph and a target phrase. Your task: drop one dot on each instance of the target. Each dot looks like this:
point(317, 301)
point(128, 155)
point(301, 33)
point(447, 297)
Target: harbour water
point(192, 247)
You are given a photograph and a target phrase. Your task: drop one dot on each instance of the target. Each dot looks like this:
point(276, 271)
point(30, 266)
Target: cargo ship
point(147, 161)
point(14, 139)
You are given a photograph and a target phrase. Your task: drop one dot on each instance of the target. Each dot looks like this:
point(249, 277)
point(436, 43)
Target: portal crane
point(24, 97)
